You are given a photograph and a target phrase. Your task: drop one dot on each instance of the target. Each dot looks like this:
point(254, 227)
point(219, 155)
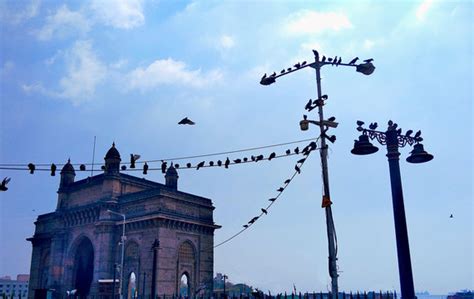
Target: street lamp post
point(122, 242)
point(225, 277)
point(394, 139)
point(365, 68)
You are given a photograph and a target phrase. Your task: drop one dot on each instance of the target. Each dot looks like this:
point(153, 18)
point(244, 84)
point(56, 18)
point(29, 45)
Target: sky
point(128, 71)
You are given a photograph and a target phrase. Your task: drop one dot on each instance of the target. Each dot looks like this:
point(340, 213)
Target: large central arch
point(186, 268)
point(83, 267)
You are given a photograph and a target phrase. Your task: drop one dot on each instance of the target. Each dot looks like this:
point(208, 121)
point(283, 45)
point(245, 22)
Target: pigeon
point(408, 133)
point(272, 199)
point(252, 158)
point(309, 105)
point(298, 65)
point(303, 63)
point(339, 61)
point(287, 181)
point(280, 189)
point(323, 59)
point(373, 126)
point(329, 59)
point(176, 165)
point(258, 158)
point(332, 138)
point(417, 134)
point(245, 226)
point(3, 186)
point(334, 61)
point(123, 167)
point(288, 152)
point(282, 71)
point(188, 165)
point(53, 169)
point(264, 76)
point(301, 160)
point(211, 163)
point(289, 69)
point(245, 159)
point(237, 161)
point(219, 163)
point(354, 60)
point(145, 168)
point(264, 211)
point(297, 150)
point(200, 164)
point(253, 220)
point(186, 121)
point(273, 75)
point(369, 60)
point(163, 167)
point(298, 170)
point(133, 159)
point(399, 131)
point(360, 123)
point(32, 168)
point(272, 155)
point(451, 216)
point(332, 118)
point(82, 167)
point(227, 162)
point(324, 97)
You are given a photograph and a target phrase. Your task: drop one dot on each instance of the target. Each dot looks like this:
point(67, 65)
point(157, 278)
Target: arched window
point(83, 267)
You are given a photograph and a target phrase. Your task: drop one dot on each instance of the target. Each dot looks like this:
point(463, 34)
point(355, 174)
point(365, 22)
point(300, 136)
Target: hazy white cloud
point(84, 72)
point(28, 12)
point(119, 64)
point(368, 44)
point(226, 42)
point(423, 9)
point(311, 22)
point(6, 68)
point(123, 14)
point(170, 72)
point(62, 22)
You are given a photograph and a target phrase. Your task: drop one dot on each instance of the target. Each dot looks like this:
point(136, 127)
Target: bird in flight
point(186, 121)
point(3, 186)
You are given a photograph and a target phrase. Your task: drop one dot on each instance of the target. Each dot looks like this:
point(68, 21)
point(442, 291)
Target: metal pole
point(324, 165)
point(401, 232)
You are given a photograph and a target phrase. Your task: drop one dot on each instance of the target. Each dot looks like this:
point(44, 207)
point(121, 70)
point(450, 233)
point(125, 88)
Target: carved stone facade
point(79, 245)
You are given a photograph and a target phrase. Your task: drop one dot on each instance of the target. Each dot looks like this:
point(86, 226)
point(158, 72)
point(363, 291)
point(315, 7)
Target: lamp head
point(419, 155)
point(363, 146)
point(304, 125)
point(366, 68)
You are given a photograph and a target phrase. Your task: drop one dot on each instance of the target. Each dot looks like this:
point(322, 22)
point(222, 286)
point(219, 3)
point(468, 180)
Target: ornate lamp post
point(394, 139)
point(365, 68)
point(122, 242)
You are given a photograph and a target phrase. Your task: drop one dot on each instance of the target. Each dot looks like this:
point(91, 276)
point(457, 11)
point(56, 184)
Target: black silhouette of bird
point(324, 97)
point(219, 163)
point(53, 169)
point(163, 166)
point(123, 167)
point(133, 159)
point(272, 155)
point(298, 170)
point(253, 220)
point(252, 158)
point(373, 126)
point(301, 160)
point(32, 168)
point(176, 165)
point(399, 131)
point(332, 138)
point(329, 59)
point(102, 167)
point(287, 181)
point(288, 152)
point(303, 63)
point(258, 158)
point(264, 76)
point(334, 61)
point(417, 134)
point(281, 189)
point(451, 216)
point(309, 105)
point(227, 162)
point(264, 211)
point(273, 75)
point(272, 199)
point(82, 167)
point(408, 133)
point(297, 65)
point(282, 71)
point(237, 161)
point(188, 165)
point(360, 123)
point(200, 164)
point(297, 150)
point(332, 118)
point(245, 159)
point(369, 60)
point(323, 59)
point(186, 121)
point(211, 163)
point(3, 186)
point(145, 168)
point(339, 61)
point(245, 226)
point(354, 60)
point(288, 69)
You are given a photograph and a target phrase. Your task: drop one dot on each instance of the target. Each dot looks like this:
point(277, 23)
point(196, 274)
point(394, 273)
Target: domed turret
point(112, 161)
point(67, 174)
point(171, 177)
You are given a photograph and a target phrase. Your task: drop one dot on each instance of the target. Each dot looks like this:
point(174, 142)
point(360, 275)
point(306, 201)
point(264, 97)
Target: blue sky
point(127, 71)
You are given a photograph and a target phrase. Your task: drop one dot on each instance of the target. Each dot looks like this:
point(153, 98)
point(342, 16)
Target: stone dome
point(113, 153)
point(68, 167)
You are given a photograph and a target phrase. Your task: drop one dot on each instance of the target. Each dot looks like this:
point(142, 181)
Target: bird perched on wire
point(163, 166)
point(273, 75)
point(272, 199)
point(303, 63)
point(288, 152)
point(253, 220)
point(53, 169)
point(297, 150)
point(133, 159)
point(282, 71)
point(237, 161)
point(3, 186)
point(451, 216)
point(82, 167)
point(245, 159)
point(186, 121)
point(272, 155)
point(298, 170)
point(300, 161)
point(281, 189)
point(332, 118)
point(227, 162)
point(287, 181)
point(369, 60)
point(145, 168)
point(353, 61)
point(188, 165)
point(258, 158)
point(309, 105)
point(219, 163)
point(264, 211)
point(334, 61)
point(374, 126)
point(417, 134)
point(298, 65)
point(245, 226)
point(323, 59)
point(408, 133)
point(200, 164)
point(360, 123)
point(32, 168)
point(211, 163)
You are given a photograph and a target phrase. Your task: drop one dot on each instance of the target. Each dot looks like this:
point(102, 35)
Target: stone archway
point(83, 267)
point(131, 266)
point(186, 267)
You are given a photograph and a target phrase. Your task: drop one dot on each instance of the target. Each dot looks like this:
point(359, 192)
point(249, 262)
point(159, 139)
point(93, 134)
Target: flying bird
point(32, 168)
point(264, 211)
point(272, 155)
point(227, 162)
point(354, 60)
point(3, 186)
point(373, 126)
point(298, 170)
point(163, 167)
point(145, 168)
point(53, 169)
point(186, 121)
point(133, 159)
point(200, 164)
point(281, 189)
point(369, 60)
